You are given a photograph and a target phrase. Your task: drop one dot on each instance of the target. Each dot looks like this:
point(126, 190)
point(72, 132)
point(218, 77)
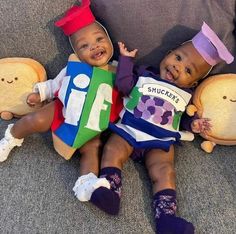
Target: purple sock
point(106, 199)
point(164, 204)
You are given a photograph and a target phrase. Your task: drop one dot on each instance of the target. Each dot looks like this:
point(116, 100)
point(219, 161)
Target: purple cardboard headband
point(210, 47)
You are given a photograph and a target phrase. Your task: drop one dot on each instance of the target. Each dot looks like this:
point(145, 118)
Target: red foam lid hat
point(76, 17)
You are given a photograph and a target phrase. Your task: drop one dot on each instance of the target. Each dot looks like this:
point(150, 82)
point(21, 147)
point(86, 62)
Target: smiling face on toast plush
point(216, 97)
point(17, 77)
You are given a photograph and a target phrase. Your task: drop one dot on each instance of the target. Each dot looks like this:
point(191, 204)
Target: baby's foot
point(174, 225)
point(106, 200)
point(8, 143)
point(86, 184)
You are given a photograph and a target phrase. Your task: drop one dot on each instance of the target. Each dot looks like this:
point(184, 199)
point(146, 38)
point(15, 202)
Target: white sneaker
point(8, 143)
point(86, 184)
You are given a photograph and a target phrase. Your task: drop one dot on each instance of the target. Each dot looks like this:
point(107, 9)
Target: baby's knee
point(110, 148)
point(161, 171)
point(167, 169)
point(113, 154)
point(37, 121)
point(90, 146)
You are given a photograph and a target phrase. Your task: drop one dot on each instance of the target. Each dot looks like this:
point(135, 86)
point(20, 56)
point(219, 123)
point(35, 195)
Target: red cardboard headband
point(76, 17)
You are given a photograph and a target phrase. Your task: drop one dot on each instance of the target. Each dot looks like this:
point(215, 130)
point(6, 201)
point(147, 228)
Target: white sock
point(86, 184)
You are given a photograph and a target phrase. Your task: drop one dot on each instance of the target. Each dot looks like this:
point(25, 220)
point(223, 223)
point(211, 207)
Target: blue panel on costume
point(165, 145)
point(67, 133)
point(74, 69)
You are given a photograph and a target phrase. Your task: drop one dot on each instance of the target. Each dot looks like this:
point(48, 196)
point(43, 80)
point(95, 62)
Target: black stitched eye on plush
point(224, 97)
point(16, 78)
point(2, 79)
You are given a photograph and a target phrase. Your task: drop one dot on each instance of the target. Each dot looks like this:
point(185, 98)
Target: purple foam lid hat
point(210, 47)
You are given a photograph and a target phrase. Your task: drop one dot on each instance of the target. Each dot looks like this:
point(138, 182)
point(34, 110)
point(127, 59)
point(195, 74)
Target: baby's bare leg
point(160, 166)
point(39, 121)
point(115, 153)
point(89, 168)
point(89, 161)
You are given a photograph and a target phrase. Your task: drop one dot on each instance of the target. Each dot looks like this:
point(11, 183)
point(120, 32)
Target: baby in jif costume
point(82, 99)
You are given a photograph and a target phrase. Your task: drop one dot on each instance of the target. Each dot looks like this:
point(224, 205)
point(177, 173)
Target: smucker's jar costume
point(153, 107)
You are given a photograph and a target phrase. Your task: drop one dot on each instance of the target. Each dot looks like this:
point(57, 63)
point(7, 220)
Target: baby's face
point(92, 45)
point(184, 66)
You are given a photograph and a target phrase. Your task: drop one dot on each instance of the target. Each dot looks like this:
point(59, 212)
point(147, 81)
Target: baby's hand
point(201, 125)
point(33, 99)
point(125, 52)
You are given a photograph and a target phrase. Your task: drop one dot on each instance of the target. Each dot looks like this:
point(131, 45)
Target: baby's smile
point(171, 74)
point(98, 54)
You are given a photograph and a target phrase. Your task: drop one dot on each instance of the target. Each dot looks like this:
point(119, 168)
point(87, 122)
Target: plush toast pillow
point(17, 78)
point(215, 98)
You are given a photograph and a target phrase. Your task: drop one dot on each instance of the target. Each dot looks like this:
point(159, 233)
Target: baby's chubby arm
point(125, 77)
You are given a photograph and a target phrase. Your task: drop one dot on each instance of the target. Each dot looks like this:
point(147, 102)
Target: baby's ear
point(195, 84)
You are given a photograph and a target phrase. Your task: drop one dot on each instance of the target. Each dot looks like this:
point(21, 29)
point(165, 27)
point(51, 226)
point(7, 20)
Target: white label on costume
point(76, 100)
point(166, 93)
point(81, 81)
point(104, 93)
point(74, 107)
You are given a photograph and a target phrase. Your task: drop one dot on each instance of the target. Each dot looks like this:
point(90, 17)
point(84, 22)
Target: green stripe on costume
point(99, 77)
point(134, 98)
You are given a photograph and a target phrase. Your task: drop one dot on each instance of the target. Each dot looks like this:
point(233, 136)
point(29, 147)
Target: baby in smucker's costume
point(84, 98)
point(150, 120)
